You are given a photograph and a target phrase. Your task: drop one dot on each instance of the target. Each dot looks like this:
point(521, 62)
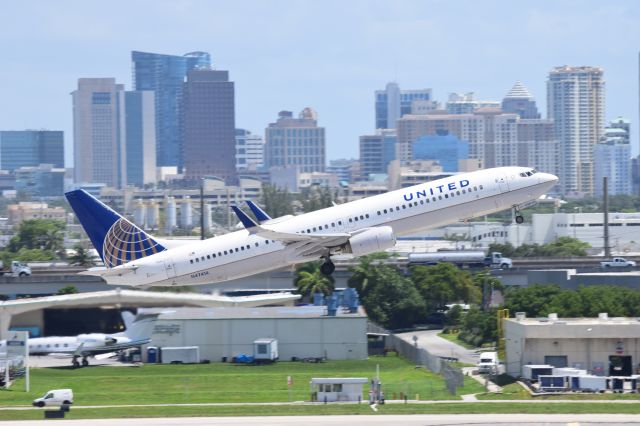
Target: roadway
point(436, 345)
point(370, 420)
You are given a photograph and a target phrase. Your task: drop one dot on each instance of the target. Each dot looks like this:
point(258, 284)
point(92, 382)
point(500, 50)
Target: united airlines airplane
point(132, 257)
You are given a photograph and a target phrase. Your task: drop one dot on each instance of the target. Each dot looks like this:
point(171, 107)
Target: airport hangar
point(223, 327)
point(301, 331)
point(603, 346)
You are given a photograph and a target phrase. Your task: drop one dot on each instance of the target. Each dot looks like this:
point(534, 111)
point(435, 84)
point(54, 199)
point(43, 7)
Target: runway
point(373, 420)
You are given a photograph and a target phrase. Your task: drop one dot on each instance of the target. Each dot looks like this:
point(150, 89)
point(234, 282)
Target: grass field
point(221, 382)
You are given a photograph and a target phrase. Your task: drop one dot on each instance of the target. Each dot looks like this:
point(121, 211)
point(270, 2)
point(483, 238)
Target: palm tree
point(81, 257)
point(363, 273)
point(314, 282)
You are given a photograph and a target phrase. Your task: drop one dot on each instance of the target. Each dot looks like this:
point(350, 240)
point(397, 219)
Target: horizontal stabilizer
point(112, 272)
point(260, 214)
point(247, 222)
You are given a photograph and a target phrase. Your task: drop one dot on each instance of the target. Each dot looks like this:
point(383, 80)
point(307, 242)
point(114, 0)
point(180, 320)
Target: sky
point(325, 54)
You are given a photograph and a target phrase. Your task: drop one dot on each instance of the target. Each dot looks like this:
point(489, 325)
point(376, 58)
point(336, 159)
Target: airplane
point(137, 333)
point(133, 257)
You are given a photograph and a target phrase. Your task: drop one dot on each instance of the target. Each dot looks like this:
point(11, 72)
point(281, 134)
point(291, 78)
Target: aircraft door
point(502, 184)
point(170, 268)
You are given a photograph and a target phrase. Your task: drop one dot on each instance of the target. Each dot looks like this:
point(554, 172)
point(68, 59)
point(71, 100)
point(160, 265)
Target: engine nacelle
point(371, 241)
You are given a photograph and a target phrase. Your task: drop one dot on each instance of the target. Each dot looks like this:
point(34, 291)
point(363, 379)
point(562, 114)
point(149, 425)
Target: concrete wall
point(333, 337)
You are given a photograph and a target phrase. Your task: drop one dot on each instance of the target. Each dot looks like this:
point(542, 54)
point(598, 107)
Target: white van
point(488, 363)
point(55, 398)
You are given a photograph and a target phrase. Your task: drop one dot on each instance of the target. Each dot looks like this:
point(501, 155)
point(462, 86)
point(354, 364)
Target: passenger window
point(333, 224)
point(225, 252)
point(197, 260)
point(191, 260)
point(209, 256)
point(404, 206)
point(326, 227)
point(378, 212)
point(213, 255)
point(248, 246)
point(350, 220)
point(256, 244)
point(481, 187)
point(361, 217)
point(242, 248)
point(219, 254)
point(237, 249)
point(446, 195)
point(367, 215)
point(267, 241)
point(385, 211)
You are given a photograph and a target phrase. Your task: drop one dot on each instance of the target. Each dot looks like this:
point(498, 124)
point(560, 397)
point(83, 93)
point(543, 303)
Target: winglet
point(260, 214)
point(246, 220)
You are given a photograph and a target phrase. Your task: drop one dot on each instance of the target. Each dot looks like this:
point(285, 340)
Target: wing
point(306, 244)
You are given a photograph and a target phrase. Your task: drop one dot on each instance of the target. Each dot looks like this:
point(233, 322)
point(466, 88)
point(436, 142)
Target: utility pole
point(605, 193)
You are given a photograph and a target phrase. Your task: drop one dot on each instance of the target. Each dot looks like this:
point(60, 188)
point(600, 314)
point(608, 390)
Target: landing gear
point(76, 363)
point(327, 267)
point(519, 217)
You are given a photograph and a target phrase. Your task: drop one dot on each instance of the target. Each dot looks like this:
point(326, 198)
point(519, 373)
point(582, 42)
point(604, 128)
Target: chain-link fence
point(453, 376)
point(16, 369)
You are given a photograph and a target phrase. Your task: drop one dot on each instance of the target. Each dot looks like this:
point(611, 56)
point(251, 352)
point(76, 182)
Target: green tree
point(444, 283)
point(70, 289)
point(42, 234)
point(362, 274)
point(310, 283)
point(277, 202)
point(534, 300)
point(316, 197)
point(81, 257)
point(479, 327)
point(392, 300)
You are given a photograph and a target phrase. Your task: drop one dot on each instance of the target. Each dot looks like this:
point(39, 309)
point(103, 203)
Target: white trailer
point(265, 350)
point(180, 354)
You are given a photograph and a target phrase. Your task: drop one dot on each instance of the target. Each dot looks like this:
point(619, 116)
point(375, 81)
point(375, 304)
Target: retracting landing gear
point(85, 363)
point(327, 267)
point(519, 217)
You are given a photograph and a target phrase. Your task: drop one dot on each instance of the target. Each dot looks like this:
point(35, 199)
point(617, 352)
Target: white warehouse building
point(603, 346)
point(301, 332)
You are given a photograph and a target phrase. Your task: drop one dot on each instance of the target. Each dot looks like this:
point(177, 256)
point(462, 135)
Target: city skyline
point(482, 47)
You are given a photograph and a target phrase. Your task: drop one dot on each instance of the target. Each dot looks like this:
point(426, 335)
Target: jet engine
point(370, 241)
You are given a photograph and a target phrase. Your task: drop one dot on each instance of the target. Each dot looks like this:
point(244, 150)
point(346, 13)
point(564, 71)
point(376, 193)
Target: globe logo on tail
point(125, 242)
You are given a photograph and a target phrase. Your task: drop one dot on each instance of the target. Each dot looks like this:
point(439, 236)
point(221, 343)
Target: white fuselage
point(93, 343)
point(407, 211)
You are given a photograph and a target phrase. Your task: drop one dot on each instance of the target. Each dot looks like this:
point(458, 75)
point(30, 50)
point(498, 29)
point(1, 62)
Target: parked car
point(55, 398)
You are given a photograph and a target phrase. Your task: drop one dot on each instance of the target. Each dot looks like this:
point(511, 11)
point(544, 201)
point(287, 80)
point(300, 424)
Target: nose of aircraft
point(547, 178)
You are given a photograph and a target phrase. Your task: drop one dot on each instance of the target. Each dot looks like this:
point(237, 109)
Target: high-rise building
point(346, 170)
point(137, 114)
point(494, 138)
point(393, 103)
point(612, 159)
point(209, 147)
point(296, 142)
point(520, 101)
point(113, 134)
point(165, 74)
point(377, 151)
point(95, 131)
point(30, 148)
point(43, 180)
point(576, 102)
point(249, 151)
point(447, 150)
point(465, 103)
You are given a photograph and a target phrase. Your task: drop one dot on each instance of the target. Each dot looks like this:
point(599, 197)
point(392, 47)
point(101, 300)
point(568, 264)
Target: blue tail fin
point(117, 240)
point(247, 222)
point(260, 214)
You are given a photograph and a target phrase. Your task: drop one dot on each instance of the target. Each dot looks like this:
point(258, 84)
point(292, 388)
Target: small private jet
point(133, 257)
point(137, 332)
